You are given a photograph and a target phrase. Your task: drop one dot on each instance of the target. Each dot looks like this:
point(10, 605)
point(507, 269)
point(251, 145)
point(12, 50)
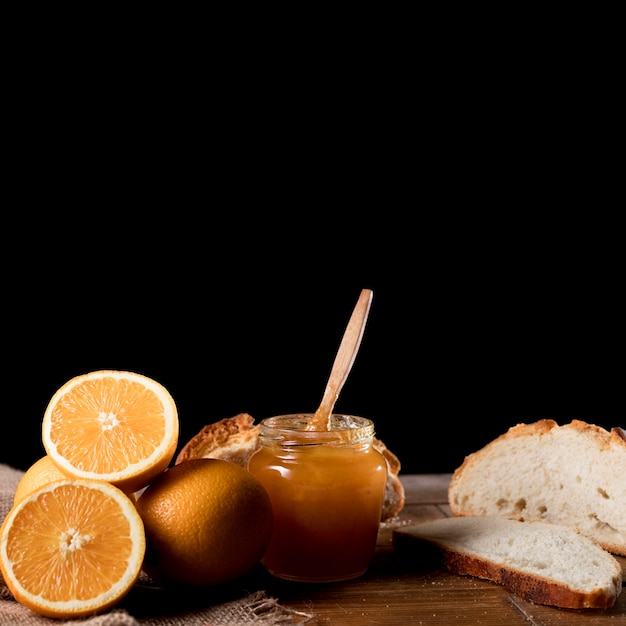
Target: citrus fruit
point(207, 521)
point(71, 548)
point(41, 472)
point(116, 426)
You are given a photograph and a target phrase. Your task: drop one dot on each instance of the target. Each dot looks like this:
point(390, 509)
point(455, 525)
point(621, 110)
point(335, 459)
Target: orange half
point(116, 426)
point(72, 548)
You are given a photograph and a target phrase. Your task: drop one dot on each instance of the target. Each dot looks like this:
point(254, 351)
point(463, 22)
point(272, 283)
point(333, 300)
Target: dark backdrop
point(453, 354)
point(211, 226)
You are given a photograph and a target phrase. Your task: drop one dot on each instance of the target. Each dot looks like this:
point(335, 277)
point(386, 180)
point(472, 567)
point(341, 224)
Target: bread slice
point(236, 438)
point(573, 475)
point(542, 563)
point(231, 439)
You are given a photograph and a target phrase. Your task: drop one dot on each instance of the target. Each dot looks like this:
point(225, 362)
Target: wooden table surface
point(396, 592)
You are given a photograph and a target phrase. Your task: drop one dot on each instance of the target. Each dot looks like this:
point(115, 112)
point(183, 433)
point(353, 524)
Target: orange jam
point(326, 489)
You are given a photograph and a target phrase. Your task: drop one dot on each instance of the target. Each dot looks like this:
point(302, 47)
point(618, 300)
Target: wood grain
point(397, 591)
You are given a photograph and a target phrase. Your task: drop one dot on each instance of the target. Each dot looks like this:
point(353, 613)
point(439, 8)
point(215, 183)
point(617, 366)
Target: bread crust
point(528, 587)
point(394, 499)
point(232, 439)
point(237, 438)
point(565, 458)
point(444, 540)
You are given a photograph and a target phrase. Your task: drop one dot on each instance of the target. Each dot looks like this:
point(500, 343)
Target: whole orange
point(207, 521)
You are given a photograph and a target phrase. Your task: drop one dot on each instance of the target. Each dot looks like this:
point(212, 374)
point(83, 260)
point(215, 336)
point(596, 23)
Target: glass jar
point(327, 489)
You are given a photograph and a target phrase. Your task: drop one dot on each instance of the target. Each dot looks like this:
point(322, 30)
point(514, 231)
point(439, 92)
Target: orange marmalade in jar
point(326, 489)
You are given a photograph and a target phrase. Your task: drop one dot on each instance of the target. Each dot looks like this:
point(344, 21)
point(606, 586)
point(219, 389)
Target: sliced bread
point(574, 475)
point(542, 563)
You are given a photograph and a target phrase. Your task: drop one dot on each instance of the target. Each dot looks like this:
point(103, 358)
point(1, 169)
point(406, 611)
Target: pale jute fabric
point(146, 605)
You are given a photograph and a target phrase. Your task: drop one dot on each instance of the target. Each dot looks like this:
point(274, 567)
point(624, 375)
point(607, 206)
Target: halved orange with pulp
point(72, 548)
point(117, 426)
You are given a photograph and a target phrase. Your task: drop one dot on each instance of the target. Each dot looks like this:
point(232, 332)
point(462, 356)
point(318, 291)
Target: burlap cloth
point(149, 605)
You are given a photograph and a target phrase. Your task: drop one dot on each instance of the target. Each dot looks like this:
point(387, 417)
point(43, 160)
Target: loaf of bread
point(236, 438)
point(574, 475)
point(542, 563)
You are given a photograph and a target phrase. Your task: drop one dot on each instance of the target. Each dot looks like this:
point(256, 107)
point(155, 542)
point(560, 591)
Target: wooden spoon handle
point(343, 361)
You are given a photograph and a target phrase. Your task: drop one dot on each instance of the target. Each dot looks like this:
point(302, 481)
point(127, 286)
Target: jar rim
point(290, 429)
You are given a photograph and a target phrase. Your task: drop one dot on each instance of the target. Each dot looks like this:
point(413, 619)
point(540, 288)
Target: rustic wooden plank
point(398, 591)
point(426, 488)
point(389, 594)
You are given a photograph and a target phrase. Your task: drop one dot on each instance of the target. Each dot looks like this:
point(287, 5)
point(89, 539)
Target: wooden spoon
point(343, 362)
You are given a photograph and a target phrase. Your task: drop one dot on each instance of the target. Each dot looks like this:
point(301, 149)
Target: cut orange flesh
point(116, 426)
point(72, 548)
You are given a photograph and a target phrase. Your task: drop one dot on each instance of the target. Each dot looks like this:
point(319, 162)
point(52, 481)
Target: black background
point(212, 225)
point(447, 362)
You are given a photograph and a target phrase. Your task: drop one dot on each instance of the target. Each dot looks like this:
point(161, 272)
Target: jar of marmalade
point(327, 489)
